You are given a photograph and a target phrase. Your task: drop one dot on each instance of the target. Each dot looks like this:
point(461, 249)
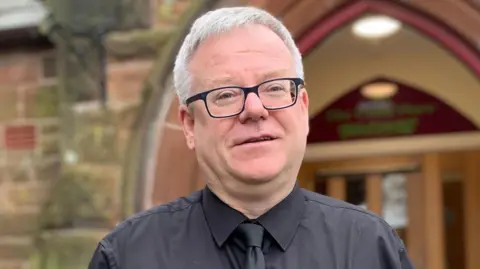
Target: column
point(337, 188)
point(472, 212)
point(415, 237)
point(434, 221)
point(374, 193)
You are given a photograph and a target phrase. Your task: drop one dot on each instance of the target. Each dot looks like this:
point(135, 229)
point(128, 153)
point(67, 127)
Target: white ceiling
point(407, 40)
point(344, 61)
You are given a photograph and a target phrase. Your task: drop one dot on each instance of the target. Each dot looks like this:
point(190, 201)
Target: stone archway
point(155, 135)
point(461, 43)
point(158, 181)
point(427, 24)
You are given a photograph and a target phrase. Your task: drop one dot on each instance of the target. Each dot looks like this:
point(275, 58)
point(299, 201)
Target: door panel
point(393, 188)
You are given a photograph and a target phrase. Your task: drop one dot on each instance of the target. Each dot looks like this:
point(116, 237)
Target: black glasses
point(230, 101)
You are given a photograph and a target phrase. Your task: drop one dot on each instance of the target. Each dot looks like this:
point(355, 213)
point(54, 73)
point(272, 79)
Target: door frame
point(427, 24)
point(424, 186)
point(392, 146)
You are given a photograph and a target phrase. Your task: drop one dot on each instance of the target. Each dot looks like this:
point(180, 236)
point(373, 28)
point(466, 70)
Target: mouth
point(258, 140)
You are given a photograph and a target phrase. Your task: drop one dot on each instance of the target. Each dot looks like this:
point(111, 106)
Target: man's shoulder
point(333, 208)
point(159, 215)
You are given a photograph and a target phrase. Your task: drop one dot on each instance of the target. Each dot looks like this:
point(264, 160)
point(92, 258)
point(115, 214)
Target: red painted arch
point(424, 23)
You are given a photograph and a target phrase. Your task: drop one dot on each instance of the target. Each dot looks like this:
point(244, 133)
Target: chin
point(256, 165)
point(256, 173)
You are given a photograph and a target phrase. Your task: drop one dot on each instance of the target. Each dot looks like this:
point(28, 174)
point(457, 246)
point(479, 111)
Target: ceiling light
point(376, 27)
point(379, 90)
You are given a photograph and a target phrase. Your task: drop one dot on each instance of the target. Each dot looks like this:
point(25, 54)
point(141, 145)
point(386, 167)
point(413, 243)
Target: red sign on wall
point(407, 111)
point(20, 137)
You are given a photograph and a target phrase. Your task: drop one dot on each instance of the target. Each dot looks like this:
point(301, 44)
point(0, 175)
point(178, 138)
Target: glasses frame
point(254, 89)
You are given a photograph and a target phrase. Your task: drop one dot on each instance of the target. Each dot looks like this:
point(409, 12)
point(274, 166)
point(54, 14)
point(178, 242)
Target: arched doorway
point(360, 170)
point(318, 20)
point(160, 181)
point(421, 23)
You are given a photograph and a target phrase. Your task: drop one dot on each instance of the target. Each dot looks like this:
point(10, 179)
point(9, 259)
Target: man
point(244, 110)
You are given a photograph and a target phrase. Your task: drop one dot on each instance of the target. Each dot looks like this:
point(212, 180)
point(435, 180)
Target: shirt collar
point(281, 222)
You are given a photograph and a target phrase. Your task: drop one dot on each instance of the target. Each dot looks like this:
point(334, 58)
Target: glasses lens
point(273, 94)
point(225, 102)
point(278, 93)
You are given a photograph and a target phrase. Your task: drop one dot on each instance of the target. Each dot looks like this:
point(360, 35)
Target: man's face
point(245, 57)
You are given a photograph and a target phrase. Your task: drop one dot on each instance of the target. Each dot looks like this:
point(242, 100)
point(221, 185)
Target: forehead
point(245, 55)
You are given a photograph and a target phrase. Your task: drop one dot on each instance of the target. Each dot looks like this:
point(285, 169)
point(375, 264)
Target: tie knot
point(251, 234)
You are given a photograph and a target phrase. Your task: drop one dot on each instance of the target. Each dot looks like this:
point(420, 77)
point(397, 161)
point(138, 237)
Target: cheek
point(212, 133)
point(302, 121)
point(290, 121)
point(295, 125)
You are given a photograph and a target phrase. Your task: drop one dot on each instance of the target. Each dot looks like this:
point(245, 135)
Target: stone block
point(14, 264)
point(80, 76)
point(126, 80)
point(50, 128)
point(138, 43)
point(126, 117)
point(20, 166)
point(85, 16)
point(16, 248)
point(3, 175)
point(28, 196)
point(20, 174)
point(41, 101)
point(49, 139)
point(68, 249)
point(19, 68)
point(16, 224)
point(85, 196)
point(170, 12)
point(125, 120)
point(95, 138)
point(48, 171)
point(137, 14)
point(20, 158)
point(8, 102)
point(50, 148)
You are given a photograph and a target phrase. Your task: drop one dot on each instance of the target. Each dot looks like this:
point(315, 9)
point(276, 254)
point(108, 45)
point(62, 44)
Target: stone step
point(16, 247)
point(18, 224)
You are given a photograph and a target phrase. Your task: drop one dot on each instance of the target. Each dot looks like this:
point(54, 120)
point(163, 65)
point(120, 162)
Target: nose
point(253, 110)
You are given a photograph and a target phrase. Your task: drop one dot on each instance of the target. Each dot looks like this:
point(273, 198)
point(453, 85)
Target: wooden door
point(395, 188)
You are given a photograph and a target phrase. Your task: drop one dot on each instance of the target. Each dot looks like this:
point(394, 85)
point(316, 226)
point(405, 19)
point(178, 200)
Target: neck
point(253, 200)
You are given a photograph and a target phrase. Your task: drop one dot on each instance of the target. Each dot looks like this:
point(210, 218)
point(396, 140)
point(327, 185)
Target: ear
point(304, 98)
point(304, 104)
point(187, 121)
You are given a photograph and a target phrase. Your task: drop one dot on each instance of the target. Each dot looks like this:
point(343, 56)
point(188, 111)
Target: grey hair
point(220, 21)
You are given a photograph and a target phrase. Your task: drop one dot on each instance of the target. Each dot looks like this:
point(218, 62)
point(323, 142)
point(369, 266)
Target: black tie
point(252, 236)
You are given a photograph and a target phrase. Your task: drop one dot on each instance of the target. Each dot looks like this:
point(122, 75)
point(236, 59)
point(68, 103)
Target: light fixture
point(379, 90)
point(375, 27)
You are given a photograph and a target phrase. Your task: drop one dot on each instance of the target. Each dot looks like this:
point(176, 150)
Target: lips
point(257, 139)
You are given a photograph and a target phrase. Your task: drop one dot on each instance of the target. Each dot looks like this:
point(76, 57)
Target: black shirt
point(306, 230)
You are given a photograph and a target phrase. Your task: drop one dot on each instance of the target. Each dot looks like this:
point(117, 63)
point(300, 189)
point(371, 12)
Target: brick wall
point(47, 217)
point(29, 159)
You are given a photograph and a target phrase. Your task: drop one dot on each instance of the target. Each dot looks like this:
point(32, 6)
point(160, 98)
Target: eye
point(276, 88)
point(223, 97)
point(226, 95)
